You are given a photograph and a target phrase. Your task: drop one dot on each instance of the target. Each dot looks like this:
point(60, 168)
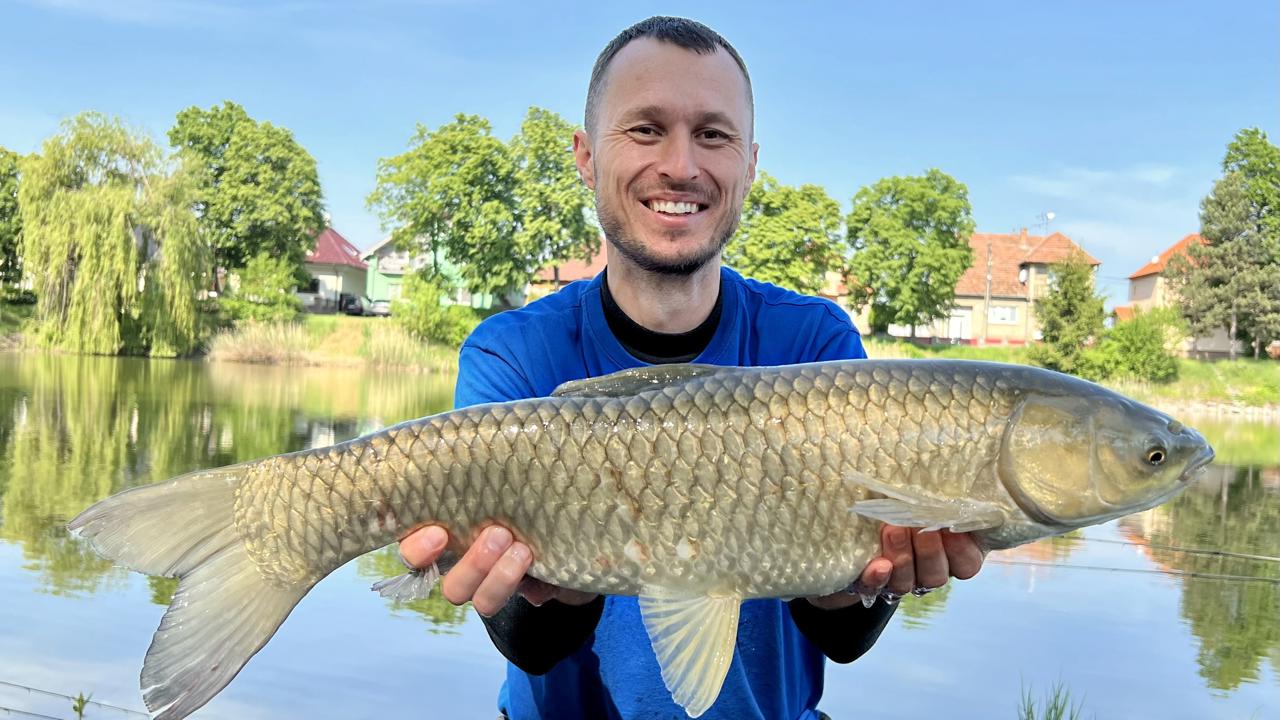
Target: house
point(995, 296)
point(336, 270)
point(544, 281)
point(388, 265)
point(1149, 289)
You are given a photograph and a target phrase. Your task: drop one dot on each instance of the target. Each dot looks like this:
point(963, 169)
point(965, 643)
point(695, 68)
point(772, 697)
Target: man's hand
point(910, 559)
point(489, 573)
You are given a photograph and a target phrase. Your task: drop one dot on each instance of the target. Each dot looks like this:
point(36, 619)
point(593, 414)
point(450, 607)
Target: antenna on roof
point(1045, 218)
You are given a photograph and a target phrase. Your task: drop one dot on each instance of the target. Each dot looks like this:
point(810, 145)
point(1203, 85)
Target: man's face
point(671, 157)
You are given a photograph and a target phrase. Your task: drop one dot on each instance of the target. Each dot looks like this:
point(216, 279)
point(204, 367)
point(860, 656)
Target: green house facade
point(388, 265)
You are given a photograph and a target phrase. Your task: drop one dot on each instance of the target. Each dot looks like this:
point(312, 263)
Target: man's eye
point(714, 135)
point(645, 130)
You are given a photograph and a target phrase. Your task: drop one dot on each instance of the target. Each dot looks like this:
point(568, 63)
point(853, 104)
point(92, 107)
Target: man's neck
point(663, 303)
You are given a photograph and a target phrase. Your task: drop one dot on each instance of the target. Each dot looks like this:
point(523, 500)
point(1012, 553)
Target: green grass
point(387, 345)
point(1247, 382)
point(1058, 705)
point(332, 340)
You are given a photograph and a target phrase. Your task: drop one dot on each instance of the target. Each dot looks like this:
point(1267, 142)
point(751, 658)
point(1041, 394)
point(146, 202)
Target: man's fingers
point(503, 579)
point(932, 570)
point(464, 579)
point(963, 554)
point(421, 547)
point(875, 576)
point(895, 542)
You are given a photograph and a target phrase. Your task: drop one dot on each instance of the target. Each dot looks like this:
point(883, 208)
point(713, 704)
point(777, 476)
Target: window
point(1002, 314)
point(313, 286)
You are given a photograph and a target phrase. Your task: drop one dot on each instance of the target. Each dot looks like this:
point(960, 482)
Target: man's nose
point(679, 161)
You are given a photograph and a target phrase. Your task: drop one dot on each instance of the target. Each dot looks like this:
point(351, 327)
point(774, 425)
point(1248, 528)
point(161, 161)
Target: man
point(668, 149)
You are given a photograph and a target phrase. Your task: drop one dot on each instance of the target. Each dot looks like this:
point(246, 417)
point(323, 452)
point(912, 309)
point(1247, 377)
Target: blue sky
point(1112, 115)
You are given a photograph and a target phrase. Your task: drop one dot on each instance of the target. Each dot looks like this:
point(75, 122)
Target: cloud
point(174, 12)
point(1122, 216)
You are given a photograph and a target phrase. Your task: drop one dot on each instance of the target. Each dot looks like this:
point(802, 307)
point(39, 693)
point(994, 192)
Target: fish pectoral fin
point(636, 380)
point(693, 637)
point(956, 515)
point(913, 507)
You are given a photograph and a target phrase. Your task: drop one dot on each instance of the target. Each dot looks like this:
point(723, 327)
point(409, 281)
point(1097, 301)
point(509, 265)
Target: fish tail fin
point(224, 609)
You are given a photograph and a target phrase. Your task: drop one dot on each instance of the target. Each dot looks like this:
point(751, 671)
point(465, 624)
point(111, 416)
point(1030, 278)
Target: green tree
point(1257, 161)
point(454, 192)
point(788, 236)
point(265, 291)
point(555, 209)
point(910, 242)
point(10, 223)
point(1070, 316)
point(110, 242)
point(1141, 348)
point(259, 189)
point(1232, 282)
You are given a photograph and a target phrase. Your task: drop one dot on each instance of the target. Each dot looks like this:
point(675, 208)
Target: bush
point(420, 313)
point(264, 292)
point(272, 343)
point(1138, 349)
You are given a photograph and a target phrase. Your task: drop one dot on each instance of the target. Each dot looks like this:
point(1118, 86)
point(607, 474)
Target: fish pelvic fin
point(693, 637)
point(224, 609)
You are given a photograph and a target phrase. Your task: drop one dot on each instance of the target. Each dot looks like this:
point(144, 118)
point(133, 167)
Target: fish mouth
point(1197, 463)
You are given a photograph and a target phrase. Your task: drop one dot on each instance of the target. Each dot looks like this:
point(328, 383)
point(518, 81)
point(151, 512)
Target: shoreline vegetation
point(1244, 389)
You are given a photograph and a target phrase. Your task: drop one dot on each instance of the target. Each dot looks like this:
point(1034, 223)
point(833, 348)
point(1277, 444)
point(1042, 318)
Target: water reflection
point(76, 429)
point(1237, 622)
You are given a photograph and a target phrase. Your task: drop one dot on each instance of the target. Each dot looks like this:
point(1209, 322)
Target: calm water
point(1133, 629)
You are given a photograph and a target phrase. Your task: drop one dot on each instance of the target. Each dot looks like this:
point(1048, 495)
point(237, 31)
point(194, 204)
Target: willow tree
point(110, 242)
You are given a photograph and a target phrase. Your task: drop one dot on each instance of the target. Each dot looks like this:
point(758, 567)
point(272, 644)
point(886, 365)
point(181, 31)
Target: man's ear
point(751, 167)
point(582, 157)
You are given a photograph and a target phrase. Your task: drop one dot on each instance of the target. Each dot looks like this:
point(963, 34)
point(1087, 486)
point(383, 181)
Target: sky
point(1113, 116)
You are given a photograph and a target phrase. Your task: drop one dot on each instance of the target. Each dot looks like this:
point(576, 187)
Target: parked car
point(379, 308)
point(355, 306)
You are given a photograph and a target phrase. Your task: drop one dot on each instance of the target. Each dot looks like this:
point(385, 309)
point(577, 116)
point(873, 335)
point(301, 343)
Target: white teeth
point(673, 208)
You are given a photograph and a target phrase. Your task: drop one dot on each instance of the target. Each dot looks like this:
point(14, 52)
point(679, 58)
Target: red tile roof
point(1158, 262)
point(1124, 313)
point(1009, 252)
point(333, 249)
point(575, 269)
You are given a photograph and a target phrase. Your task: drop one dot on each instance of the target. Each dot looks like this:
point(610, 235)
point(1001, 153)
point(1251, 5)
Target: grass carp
point(693, 487)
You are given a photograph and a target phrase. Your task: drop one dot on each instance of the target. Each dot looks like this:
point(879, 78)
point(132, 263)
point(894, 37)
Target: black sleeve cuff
point(534, 639)
point(842, 635)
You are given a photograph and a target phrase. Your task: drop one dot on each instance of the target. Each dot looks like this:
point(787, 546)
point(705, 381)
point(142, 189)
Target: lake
point(1132, 628)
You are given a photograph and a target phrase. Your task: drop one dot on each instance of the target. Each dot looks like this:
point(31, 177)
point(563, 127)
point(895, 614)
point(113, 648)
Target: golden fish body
point(693, 487)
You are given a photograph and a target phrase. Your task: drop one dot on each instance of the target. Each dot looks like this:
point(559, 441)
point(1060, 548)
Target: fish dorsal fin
point(915, 507)
point(693, 637)
point(634, 381)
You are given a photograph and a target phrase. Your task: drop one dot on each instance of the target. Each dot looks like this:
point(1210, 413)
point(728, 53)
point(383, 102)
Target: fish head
point(1070, 460)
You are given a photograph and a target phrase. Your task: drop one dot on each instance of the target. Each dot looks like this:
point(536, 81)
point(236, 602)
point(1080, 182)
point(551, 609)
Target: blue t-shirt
point(776, 671)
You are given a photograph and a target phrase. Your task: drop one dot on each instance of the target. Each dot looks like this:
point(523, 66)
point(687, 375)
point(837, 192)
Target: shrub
point(1139, 349)
point(265, 292)
point(253, 342)
point(420, 313)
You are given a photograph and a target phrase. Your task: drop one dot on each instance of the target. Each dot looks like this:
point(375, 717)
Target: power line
point(1189, 551)
point(1142, 571)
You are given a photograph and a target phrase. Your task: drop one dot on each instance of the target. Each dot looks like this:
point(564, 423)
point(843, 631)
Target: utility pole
point(986, 298)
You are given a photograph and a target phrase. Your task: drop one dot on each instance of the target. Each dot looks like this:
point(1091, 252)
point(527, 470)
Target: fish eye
point(1156, 455)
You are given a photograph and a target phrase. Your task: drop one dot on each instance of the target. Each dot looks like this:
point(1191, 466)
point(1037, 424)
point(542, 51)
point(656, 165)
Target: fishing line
point(67, 697)
point(10, 712)
point(1189, 551)
point(1145, 571)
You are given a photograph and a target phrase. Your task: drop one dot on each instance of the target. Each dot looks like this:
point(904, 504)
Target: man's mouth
point(668, 207)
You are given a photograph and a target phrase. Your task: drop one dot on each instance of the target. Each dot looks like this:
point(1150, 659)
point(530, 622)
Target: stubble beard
point(634, 250)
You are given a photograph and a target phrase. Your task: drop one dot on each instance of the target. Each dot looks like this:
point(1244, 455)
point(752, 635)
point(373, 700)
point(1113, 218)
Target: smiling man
point(668, 147)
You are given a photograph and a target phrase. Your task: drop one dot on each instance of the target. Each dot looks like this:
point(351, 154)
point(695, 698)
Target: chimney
point(1022, 239)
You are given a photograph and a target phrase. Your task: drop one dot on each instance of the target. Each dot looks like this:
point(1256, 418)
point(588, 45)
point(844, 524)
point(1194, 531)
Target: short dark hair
point(681, 32)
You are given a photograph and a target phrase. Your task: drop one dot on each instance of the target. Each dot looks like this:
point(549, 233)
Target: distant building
point(388, 265)
point(544, 281)
point(995, 296)
point(337, 273)
point(1149, 289)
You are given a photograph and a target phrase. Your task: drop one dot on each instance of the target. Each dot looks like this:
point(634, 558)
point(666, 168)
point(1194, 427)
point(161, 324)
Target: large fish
point(692, 486)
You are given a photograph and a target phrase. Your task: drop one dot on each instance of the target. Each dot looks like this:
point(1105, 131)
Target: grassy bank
point(332, 340)
point(11, 319)
point(1243, 383)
